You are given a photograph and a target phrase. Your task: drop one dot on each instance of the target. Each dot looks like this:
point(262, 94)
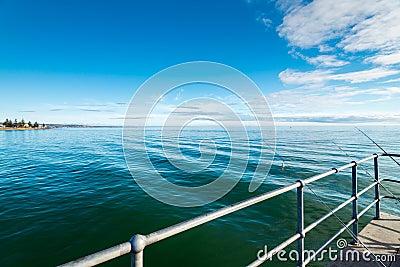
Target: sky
point(81, 61)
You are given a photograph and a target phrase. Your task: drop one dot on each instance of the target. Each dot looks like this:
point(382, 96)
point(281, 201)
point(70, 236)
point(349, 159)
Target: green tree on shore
point(7, 123)
point(21, 124)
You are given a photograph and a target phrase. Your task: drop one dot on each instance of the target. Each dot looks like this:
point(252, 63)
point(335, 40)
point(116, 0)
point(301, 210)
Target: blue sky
point(315, 61)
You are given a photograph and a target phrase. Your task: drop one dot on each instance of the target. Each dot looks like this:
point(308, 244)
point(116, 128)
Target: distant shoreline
point(80, 126)
point(23, 129)
point(58, 127)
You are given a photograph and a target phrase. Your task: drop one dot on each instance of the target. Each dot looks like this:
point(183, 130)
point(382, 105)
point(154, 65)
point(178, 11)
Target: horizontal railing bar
point(390, 180)
point(101, 256)
point(367, 188)
point(278, 248)
point(367, 158)
point(315, 224)
point(310, 258)
point(336, 170)
point(347, 166)
point(189, 224)
point(367, 208)
point(319, 176)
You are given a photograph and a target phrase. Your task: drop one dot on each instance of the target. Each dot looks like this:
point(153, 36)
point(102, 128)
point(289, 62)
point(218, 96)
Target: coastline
point(23, 129)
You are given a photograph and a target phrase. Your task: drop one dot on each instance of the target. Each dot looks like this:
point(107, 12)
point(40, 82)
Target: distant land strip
point(23, 129)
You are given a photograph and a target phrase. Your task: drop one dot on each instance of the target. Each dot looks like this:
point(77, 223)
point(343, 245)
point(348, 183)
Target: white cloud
point(264, 20)
point(392, 80)
point(365, 75)
point(320, 60)
point(380, 31)
point(331, 101)
point(288, 5)
point(298, 101)
point(326, 61)
point(290, 76)
point(305, 100)
point(393, 90)
point(359, 26)
point(323, 20)
point(385, 59)
point(336, 119)
point(325, 48)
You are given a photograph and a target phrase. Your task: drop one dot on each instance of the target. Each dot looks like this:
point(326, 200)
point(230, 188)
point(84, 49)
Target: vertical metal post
point(377, 195)
point(138, 243)
point(137, 259)
point(355, 204)
point(300, 224)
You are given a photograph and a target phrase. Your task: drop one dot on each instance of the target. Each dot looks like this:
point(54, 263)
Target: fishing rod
point(378, 261)
point(378, 145)
point(384, 187)
point(308, 186)
point(397, 200)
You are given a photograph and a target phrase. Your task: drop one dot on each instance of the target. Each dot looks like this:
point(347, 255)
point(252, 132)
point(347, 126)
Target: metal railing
point(139, 242)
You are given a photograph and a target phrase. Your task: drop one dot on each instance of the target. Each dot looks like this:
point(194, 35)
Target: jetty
point(378, 245)
point(380, 237)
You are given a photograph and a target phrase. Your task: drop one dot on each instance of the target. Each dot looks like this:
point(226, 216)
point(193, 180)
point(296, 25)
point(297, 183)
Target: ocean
point(67, 192)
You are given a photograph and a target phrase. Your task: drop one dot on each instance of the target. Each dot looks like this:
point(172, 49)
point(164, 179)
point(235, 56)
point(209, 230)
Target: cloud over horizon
point(353, 52)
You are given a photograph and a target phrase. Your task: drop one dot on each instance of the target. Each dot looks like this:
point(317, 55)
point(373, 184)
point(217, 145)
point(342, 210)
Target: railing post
point(138, 243)
point(377, 195)
point(355, 202)
point(300, 223)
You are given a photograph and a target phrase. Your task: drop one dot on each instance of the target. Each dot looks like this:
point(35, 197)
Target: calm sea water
point(65, 193)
